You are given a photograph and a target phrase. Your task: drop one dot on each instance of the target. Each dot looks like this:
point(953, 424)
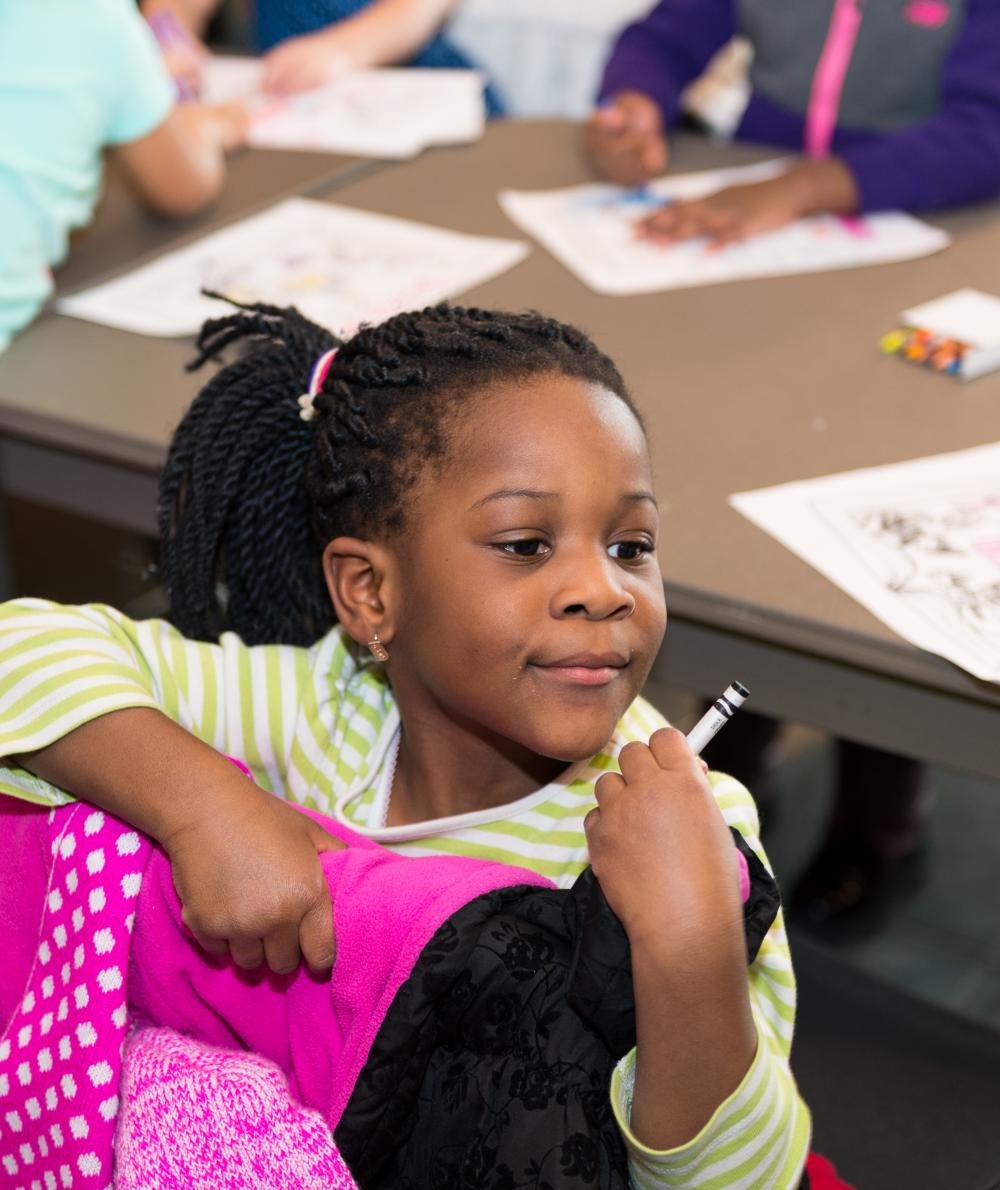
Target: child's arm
point(132, 716)
point(712, 1046)
point(652, 62)
point(179, 167)
point(381, 34)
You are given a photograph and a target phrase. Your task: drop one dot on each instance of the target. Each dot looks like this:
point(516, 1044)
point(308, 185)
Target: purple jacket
point(919, 106)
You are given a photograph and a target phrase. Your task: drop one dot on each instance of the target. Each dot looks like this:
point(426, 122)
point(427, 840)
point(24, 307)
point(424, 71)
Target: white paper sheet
point(392, 113)
point(591, 229)
point(339, 266)
point(917, 543)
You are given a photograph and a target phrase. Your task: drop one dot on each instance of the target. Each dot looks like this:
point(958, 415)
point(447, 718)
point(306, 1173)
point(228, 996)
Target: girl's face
point(530, 602)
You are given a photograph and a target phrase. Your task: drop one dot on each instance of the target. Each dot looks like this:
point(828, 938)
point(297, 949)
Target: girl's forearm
point(388, 31)
point(695, 1036)
point(142, 767)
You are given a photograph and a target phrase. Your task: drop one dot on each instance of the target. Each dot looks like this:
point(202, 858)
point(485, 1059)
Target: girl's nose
point(593, 589)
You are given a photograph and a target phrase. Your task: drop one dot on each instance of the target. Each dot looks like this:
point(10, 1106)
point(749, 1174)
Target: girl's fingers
point(281, 949)
point(636, 761)
point(319, 948)
point(247, 953)
point(607, 786)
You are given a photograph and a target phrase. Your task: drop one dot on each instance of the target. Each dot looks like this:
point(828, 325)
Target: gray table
point(742, 385)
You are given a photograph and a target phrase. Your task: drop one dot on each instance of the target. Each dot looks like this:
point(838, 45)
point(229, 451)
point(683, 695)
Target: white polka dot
point(52, 1101)
point(48, 986)
point(46, 1025)
point(67, 846)
point(63, 1009)
point(81, 996)
point(90, 1164)
point(128, 844)
point(24, 1074)
point(10, 1165)
point(94, 823)
point(130, 922)
point(4, 1050)
point(55, 900)
point(65, 1049)
point(86, 1034)
point(44, 1060)
point(110, 979)
point(79, 1127)
point(95, 861)
point(4, 1085)
point(72, 880)
point(27, 1154)
point(78, 919)
point(43, 1146)
point(100, 1073)
point(78, 957)
point(109, 1108)
point(23, 1036)
point(55, 1131)
point(33, 1107)
point(13, 1121)
point(120, 1016)
point(65, 972)
point(96, 900)
point(66, 1176)
point(131, 884)
point(28, 1003)
point(68, 1084)
point(59, 933)
point(50, 1181)
point(44, 953)
point(104, 941)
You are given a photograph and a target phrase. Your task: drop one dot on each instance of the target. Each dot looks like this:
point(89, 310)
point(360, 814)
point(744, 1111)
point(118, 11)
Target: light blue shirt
point(75, 75)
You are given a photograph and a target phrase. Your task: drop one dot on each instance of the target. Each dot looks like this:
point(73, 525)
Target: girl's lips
point(582, 675)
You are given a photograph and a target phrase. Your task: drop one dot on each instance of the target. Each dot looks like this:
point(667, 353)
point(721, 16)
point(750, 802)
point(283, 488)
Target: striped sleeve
point(758, 1139)
point(61, 667)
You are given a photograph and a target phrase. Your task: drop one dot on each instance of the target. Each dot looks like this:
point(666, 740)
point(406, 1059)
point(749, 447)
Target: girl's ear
point(360, 576)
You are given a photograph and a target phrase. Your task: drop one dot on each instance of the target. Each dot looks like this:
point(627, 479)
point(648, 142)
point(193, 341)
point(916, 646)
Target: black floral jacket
point(492, 1067)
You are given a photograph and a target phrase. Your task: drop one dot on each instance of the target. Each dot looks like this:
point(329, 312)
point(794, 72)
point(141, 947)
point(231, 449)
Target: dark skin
point(627, 142)
point(522, 609)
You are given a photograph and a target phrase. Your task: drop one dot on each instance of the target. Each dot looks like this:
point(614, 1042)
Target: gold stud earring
point(378, 650)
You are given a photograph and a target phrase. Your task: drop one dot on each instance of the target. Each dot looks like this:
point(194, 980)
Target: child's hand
point(302, 63)
point(661, 850)
point(738, 212)
point(250, 881)
point(223, 125)
point(626, 140)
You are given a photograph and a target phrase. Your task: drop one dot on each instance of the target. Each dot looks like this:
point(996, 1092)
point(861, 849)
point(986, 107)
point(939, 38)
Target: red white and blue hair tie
point(307, 402)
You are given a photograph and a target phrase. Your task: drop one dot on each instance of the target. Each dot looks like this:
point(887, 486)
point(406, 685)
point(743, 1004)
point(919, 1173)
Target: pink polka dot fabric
point(61, 1053)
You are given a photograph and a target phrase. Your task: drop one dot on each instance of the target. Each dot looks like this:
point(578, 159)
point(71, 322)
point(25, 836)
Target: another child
point(428, 557)
point(897, 105)
point(77, 76)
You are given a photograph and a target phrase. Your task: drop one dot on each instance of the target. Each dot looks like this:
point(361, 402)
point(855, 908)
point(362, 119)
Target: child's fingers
point(281, 949)
point(247, 953)
point(670, 749)
point(316, 938)
point(636, 761)
point(608, 786)
point(322, 840)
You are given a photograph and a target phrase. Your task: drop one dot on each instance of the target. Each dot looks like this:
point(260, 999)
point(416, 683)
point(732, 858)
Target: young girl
point(897, 104)
point(428, 557)
point(76, 77)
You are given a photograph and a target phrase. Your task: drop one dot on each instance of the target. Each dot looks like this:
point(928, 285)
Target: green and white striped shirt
point(316, 726)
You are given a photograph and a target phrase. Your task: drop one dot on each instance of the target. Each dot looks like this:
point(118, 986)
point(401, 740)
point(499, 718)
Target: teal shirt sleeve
point(141, 92)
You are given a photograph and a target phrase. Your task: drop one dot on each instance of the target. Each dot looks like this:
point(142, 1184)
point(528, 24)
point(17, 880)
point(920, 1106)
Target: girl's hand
point(302, 63)
point(223, 125)
point(626, 140)
point(738, 212)
point(661, 850)
point(250, 881)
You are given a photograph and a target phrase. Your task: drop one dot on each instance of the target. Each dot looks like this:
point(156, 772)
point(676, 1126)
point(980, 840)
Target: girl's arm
point(133, 717)
point(953, 157)
point(383, 33)
point(706, 1098)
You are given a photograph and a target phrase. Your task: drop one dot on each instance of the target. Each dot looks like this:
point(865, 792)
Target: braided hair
point(251, 493)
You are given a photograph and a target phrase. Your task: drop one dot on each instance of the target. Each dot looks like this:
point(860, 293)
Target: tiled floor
point(942, 943)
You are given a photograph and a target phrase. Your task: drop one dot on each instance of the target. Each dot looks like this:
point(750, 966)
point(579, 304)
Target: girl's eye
point(528, 547)
point(630, 551)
